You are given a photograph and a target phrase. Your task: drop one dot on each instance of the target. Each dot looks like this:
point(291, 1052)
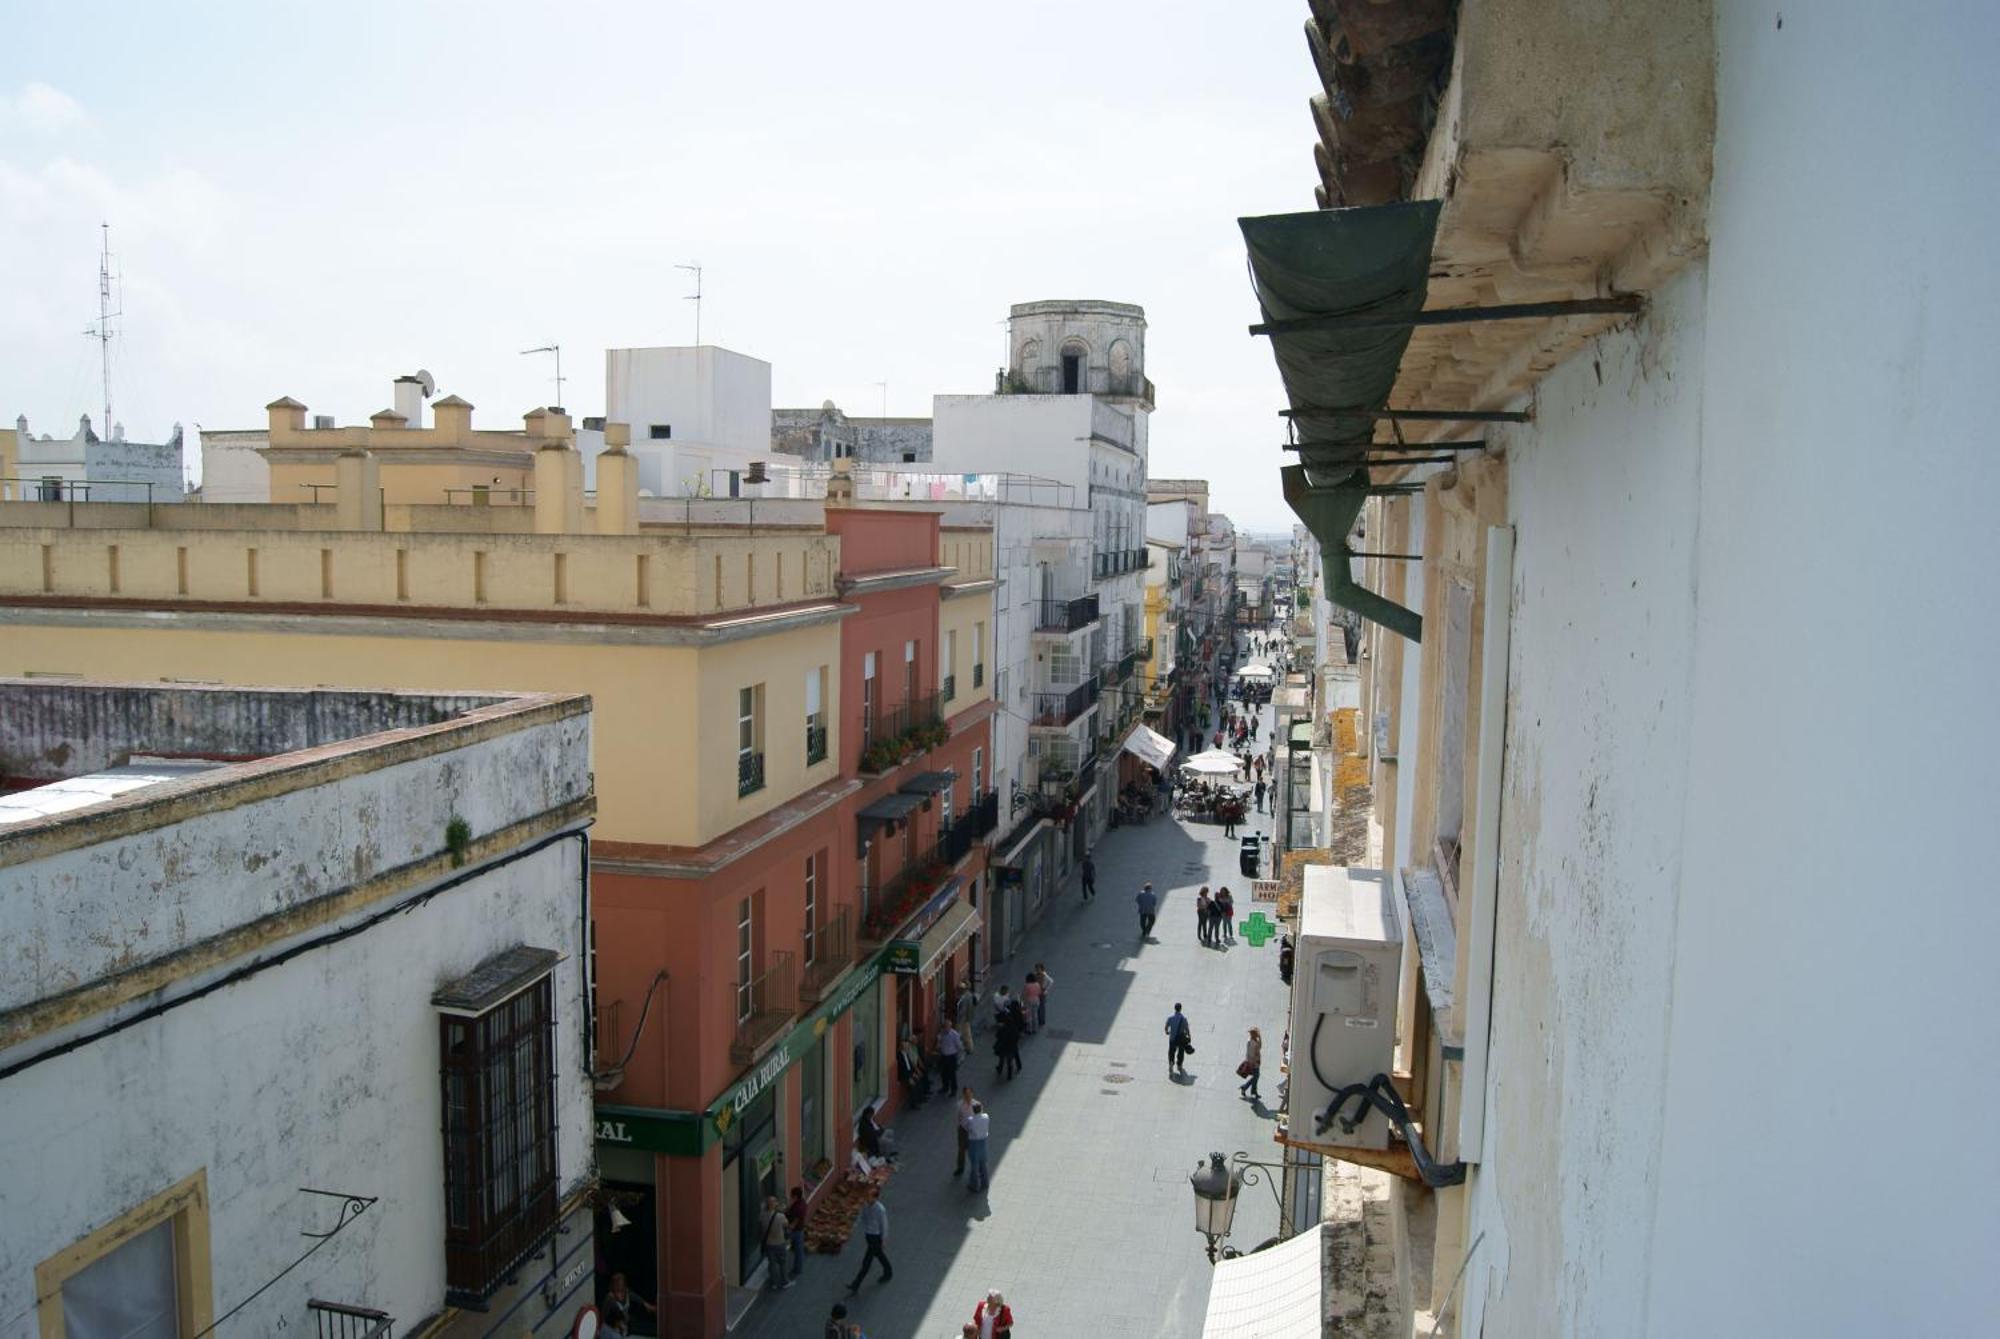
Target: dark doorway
point(632, 1250)
point(1072, 368)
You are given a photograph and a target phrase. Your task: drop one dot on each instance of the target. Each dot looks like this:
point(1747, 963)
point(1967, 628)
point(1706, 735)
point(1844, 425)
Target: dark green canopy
point(1341, 262)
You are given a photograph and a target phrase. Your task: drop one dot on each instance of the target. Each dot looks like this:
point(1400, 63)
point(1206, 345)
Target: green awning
point(1340, 262)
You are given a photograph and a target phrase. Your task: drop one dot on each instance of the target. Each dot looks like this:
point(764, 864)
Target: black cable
point(251, 969)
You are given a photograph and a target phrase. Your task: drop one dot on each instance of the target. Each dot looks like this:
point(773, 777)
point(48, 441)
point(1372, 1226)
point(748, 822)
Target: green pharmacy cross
point(1255, 929)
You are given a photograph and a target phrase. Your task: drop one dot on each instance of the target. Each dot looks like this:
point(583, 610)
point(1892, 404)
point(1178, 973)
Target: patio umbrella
point(1215, 762)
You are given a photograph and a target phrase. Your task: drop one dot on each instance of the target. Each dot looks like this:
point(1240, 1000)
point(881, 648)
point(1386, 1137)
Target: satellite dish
point(428, 382)
point(585, 1326)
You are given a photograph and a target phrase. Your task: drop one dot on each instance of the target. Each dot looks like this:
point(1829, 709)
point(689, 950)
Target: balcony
point(815, 741)
point(1066, 615)
point(983, 816)
point(749, 773)
point(830, 955)
point(899, 896)
point(764, 1008)
point(978, 675)
point(903, 731)
point(948, 689)
point(1059, 709)
point(337, 1320)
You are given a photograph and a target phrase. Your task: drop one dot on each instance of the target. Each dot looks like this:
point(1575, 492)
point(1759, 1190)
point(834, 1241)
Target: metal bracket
point(1615, 304)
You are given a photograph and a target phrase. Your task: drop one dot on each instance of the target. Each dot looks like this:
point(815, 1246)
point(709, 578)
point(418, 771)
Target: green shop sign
point(649, 1131)
point(902, 956)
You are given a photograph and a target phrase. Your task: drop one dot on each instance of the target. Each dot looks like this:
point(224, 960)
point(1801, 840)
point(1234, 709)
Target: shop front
point(688, 1187)
point(929, 967)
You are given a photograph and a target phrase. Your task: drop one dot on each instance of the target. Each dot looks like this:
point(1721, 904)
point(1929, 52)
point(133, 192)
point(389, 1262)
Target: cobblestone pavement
point(1089, 1226)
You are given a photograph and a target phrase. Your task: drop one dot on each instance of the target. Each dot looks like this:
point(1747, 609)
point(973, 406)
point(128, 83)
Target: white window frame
point(746, 943)
point(812, 910)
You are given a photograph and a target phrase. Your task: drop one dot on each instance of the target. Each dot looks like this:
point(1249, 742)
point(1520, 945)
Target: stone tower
point(1076, 347)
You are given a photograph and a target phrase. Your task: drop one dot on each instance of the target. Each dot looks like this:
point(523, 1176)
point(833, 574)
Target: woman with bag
point(1252, 1066)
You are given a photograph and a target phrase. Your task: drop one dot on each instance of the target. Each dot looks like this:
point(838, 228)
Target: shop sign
point(933, 910)
point(902, 956)
point(676, 1132)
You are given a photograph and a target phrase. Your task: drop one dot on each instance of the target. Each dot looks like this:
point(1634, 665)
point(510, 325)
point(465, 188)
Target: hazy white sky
point(309, 200)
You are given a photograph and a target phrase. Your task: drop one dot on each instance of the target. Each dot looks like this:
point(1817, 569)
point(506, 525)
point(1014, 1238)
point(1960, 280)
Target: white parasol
point(1215, 762)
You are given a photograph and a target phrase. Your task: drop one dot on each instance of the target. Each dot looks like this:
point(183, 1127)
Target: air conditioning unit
point(1346, 979)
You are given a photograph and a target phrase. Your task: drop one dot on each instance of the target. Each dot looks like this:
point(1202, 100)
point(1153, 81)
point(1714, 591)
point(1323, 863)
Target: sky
point(312, 200)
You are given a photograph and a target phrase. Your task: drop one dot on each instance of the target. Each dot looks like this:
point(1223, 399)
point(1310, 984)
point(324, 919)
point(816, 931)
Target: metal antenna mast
point(102, 331)
point(694, 297)
point(556, 349)
point(883, 386)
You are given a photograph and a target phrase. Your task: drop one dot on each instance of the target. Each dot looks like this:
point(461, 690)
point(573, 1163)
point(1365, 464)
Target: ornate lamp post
point(1216, 1184)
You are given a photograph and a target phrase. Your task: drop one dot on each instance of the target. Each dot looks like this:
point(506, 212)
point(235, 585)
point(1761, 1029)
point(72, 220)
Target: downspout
point(1330, 514)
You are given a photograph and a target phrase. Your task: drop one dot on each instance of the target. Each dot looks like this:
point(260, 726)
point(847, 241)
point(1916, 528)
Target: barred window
point(498, 1065)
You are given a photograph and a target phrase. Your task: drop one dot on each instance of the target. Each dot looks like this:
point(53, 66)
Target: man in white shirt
point(978, 1128)
point(950, 1047)
point(874, 1225)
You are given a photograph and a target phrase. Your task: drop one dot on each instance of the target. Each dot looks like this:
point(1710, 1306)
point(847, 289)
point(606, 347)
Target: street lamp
point(1215, 1186)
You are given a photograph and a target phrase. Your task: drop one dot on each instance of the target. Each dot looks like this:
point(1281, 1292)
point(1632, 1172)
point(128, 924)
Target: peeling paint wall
point(321, 1071)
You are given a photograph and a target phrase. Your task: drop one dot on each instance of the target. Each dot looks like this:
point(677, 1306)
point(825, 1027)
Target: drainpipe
point(1330, 514)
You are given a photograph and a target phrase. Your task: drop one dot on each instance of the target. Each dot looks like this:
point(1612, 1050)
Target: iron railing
point(337, 1320)
point(949, 688)
point(904, 717)
point(831, 955)
point(983, 816)
point(1056, 709)
point(815, 741)
point(978, 675)
point(763, 1007)
point(749, 773)
point(1066, 615)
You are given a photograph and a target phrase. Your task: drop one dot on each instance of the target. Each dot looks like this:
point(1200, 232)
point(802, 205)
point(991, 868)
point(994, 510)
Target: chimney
point(451, 417)
point(287, 416)
point(357, 481)
point(558, 490)
point(387, 420)
point(617, 483)
point(840, 484)
point(322, 423)
point(411, 392)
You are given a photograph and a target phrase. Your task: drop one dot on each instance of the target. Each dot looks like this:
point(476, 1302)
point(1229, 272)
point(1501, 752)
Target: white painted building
point(1698, 722)
point(700, 416)
point(336, 988)
point(86, 467)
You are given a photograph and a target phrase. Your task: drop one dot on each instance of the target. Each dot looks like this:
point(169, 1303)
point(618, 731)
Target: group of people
point(1215, 917)
point(992, 1318)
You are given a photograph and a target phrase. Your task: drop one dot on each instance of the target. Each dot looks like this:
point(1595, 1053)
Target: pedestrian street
point(1088, 1229)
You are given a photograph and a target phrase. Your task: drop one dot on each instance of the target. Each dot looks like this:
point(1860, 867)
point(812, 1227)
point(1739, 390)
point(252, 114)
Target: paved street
point(1089, 1226)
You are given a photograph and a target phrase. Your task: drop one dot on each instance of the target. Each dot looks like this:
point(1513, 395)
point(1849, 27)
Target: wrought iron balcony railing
point(764, 1006)
point(983, 816)
point(337, 1320)
point(828, 955)
point(949, 688)
point(978, 675)
point(1066, 615)
point(749, 773)
point(815, 741)
point(1057, 709)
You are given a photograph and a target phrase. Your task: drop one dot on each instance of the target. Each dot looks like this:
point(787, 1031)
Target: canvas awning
point(891, 808)
point(929, 783)
point(1274, 1293)
point(941, 940)
point(1150, 746)
point(1371, 262)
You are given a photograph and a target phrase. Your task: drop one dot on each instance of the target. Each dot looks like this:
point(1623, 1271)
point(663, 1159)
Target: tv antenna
point(556, 349)
point(102, 331)
point(694, 268)
point(883, 386)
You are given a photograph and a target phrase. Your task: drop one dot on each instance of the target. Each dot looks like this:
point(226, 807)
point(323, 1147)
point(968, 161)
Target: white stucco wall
point(1744, 922)
point(321, 1071)
point(1043, 435)
point(712, 397)
point(231, 469)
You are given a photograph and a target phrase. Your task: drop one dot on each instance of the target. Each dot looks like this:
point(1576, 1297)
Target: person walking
point(1231, 809)
point(1225, 915)
point(1046, 983)
point(1007, 1041)
point(1259, 792)
point(1089, 871)
point(775, 1241)
point(1002, 1001)
point(965, 1106)
point(1252, 1066)
point(992, 1318)
point(978, 1129)
point(839, 1327)
point(1180, 1040)
point(1149, 908)
point(1204, 913)
point(795, 1228)
point(950, 1046)
point(966, 1013)
point(1031, 1003)
point(874, 1225)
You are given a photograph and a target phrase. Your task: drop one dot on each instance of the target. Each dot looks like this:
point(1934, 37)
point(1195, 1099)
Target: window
point(660, 432)
point(978, 654)
point(1072, 372)
point(746, 962)
point(978, 773)
point(815, 715)
point(948, 667)
point(910, 674)
point(144, 1274)
point(944, 809)
point(868, 702)
point(497, 1032)
point(749, 740)
point(812, 910)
